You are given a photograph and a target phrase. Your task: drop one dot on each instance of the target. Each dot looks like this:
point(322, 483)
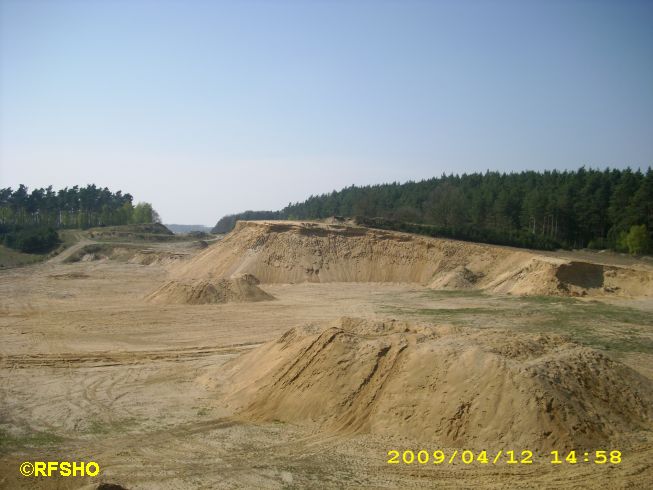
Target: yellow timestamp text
point(466, 456)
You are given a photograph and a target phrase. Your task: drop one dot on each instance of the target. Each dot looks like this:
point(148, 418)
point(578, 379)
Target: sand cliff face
point(460, 387)
point(290, 252)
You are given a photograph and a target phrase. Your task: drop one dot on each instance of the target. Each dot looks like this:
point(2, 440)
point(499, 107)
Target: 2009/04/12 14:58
point(466, 456)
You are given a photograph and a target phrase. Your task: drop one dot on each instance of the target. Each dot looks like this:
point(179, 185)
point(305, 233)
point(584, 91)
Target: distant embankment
point(188, 228)
point(284, 252)
point(227, 223)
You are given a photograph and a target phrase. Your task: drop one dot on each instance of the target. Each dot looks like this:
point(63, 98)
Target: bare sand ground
point(91, 371)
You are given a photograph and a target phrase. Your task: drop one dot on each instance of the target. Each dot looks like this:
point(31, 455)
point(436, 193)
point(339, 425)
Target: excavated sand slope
point(290, 252)
point(239, 289)
point(457, 387)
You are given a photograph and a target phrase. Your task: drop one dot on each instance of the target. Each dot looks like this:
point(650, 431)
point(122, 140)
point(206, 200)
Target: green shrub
point(637, 240)
point(32, 240)
point(599, 243)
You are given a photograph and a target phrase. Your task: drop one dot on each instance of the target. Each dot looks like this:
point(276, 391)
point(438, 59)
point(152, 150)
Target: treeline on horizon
point(29, 220)
point(598, 209)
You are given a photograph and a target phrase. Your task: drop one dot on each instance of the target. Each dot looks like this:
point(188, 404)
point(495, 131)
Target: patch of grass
point(10, 442)
point(146, 228)
point(97, 427)
point(544, 300)
point(570, 309)
point(443, 312)
point(153, 232)
point(460, 311)
point(13, 258)
point(440, 293)
point(592, 323)
point(626, 344)
point(10, 258)
point(70, 237)
point(621, 314)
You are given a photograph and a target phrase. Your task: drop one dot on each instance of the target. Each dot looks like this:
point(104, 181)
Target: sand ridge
point(292, 252)
point(457, 386)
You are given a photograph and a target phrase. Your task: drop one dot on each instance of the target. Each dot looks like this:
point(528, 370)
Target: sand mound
point(290, 252)
point(240, 289)
point(456, 387)
point(459, 278)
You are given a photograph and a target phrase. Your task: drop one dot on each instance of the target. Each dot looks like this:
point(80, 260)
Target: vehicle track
point(103, 359)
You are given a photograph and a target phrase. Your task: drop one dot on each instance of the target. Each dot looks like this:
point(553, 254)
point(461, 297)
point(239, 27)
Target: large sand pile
point(289, 252)
point(452, 386)
point(239, 289)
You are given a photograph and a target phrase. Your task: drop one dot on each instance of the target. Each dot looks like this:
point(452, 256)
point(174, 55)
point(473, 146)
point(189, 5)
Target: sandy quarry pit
point(98, 364)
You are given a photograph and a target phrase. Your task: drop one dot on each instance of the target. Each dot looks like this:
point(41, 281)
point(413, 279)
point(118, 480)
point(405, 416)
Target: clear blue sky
point(205, 108)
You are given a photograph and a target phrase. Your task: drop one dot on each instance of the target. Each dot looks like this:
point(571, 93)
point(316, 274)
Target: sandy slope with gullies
point(312, 388)
point(290, 252)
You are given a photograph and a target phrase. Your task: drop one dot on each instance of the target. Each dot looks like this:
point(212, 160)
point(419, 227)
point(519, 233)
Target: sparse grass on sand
point(10, 442)
point(593, 323)
point(10, 258)
point(13, 258)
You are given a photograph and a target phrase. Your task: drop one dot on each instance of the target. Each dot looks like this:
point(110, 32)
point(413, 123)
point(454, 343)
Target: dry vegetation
point(150, 358)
